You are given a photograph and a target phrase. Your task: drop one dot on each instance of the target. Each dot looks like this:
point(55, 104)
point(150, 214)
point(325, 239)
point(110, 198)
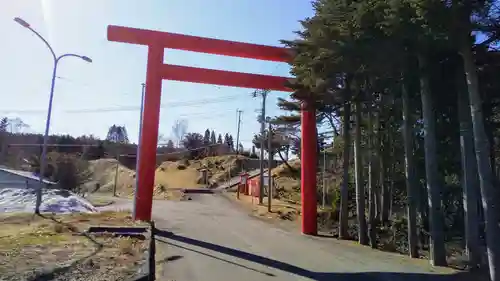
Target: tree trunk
point(371, 180)
point(424, 216)
point(292, 170)
point(437, 249)
point(470, 179)
point(483, 163)
point(344, 189)
point(384, 188)
point(358, 170)
point(411, 180)
point(386, 181)
point(379, 160)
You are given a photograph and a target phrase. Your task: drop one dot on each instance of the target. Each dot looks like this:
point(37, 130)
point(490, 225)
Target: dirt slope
point(169, 175)
point(104, 173)
point(221, 168)
point(176, 175)
point(287, 182)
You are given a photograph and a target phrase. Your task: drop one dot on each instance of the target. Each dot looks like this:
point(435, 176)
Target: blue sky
point(113, 80)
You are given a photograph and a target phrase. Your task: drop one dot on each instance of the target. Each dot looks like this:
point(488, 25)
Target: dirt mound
point(221, 168)
point(180, 174)
point(188, 173)
point(104, 173)
point(287, 181)
point(284, 170)
point(169, 175)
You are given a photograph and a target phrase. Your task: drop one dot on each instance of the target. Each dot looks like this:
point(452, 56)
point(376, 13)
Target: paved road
point(210, 239)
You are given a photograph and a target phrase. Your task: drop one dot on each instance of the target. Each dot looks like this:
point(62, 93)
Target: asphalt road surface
point(208, 238)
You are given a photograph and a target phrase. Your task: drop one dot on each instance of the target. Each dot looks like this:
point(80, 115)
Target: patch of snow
point(53, 201)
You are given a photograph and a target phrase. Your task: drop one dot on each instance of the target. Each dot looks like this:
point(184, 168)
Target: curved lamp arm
point(27, 25)
point(23, 23)
point(85, 58)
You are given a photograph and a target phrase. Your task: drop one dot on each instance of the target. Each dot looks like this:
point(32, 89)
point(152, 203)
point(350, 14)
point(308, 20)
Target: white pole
point(324, 178)
point(138, 148)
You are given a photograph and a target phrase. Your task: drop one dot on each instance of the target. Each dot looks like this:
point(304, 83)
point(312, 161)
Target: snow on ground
point(53, 201)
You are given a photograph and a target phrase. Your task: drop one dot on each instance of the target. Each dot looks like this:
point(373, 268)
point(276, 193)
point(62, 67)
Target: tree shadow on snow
point(321, 276)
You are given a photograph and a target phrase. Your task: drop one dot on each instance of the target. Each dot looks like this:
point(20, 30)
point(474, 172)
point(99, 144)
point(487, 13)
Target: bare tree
point(16, 125)
point(179, 129)
point(162, 139)
point(117, 134)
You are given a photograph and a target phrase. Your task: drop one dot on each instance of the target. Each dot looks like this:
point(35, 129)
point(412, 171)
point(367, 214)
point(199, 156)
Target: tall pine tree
point(206, 137)
point(213, 140)
point(3, 124)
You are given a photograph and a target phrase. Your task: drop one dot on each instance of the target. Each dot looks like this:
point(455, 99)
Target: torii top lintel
point(209, 46)
point(198, 44)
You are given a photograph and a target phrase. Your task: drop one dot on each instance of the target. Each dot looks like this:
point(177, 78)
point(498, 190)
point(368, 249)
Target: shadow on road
point(169, 259)
point(214, 257)
point(321, 276)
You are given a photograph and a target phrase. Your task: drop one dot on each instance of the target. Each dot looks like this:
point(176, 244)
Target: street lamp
point(56, 58)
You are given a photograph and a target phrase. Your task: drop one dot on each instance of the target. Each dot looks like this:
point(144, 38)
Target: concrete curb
point(147, 271)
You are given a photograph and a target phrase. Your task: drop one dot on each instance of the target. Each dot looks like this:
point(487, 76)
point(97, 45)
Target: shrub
point(69, 171)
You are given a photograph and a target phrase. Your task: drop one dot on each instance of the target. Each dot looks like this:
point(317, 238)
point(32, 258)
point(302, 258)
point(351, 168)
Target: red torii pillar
point(157, 71)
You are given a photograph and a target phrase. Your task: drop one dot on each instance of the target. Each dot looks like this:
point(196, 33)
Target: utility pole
point(116, 174)
point(138, 146)
point(238, 132)
point(262, 119)
point(269, 165)
point(238, 146)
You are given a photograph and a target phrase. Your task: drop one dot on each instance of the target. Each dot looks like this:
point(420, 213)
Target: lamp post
point(43, 158)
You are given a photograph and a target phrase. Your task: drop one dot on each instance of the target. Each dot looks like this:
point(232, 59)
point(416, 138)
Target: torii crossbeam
point(157, 71)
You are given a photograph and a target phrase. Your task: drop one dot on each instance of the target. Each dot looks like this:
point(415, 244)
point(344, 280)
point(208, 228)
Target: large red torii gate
point(157, 71)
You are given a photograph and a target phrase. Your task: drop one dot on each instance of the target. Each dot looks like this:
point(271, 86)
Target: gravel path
point(209, 238)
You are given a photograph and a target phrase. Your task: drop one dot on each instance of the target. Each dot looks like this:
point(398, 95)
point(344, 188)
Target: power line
point(51, 145)
point(192, 103)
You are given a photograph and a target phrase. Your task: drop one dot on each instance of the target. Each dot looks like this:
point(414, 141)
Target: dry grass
point(282, 207)
point(55, 248)
point(283, 170)
point(286, 206)
point(279, 209)
point(287, 202)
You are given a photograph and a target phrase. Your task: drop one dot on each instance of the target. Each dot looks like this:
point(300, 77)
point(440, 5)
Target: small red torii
point(157, 71)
